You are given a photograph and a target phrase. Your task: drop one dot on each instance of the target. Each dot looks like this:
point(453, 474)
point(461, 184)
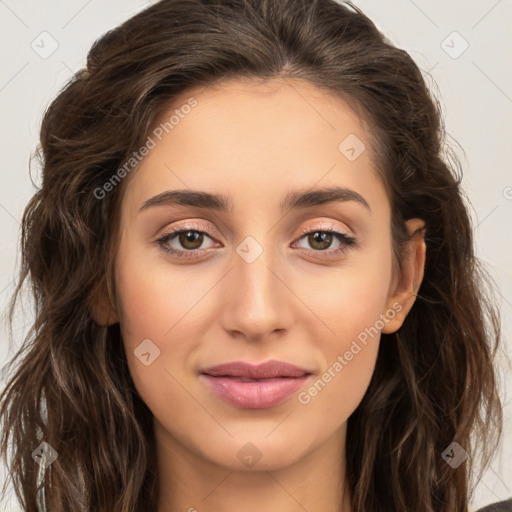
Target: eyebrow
point(219, 202)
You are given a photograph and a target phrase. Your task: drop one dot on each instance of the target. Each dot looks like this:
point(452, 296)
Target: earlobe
point(406, 286)
point(101, 308)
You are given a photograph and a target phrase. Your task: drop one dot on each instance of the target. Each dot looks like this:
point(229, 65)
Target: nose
point(256, 299)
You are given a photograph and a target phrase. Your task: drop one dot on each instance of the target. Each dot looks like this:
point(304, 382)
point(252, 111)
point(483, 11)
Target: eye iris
point(193, 237)
point(322, 237)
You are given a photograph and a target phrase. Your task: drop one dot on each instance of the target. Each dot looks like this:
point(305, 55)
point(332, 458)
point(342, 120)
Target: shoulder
point(502, 506)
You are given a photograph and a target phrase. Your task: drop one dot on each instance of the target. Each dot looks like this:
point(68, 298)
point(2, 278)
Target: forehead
point(298, 107)
point(257, 137)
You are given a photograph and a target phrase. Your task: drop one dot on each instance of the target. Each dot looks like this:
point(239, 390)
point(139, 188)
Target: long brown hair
point(434, 382)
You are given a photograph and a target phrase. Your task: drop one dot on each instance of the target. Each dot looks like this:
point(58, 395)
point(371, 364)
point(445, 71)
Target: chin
point(260, 454)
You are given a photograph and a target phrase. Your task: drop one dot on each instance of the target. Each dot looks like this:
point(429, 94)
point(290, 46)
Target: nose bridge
point(256, 302)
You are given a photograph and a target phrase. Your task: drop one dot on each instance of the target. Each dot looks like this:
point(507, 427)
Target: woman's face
point(250, 281)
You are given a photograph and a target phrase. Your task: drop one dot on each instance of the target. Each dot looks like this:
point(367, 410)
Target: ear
point(101, 307)
point(404, 288)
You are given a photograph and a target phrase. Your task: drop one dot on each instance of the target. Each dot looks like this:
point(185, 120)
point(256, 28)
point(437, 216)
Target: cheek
point(164, 308)
point(350, 298)
point(156, 302)
point(350, 304)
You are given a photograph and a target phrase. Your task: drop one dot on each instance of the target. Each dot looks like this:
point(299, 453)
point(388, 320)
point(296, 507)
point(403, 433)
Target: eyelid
point(324, 226)
point(191, 226)
point(195, 225)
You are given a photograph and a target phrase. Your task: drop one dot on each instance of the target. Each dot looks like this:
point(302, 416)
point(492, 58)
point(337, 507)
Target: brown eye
point(190, 239)
point(186, 243)
point(320, 240)
point(326, 242)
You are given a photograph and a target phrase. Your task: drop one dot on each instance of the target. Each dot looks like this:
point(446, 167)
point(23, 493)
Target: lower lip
point(255, 394)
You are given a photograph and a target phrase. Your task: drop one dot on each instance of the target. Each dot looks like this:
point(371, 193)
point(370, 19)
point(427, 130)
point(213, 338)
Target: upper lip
point(266, 370)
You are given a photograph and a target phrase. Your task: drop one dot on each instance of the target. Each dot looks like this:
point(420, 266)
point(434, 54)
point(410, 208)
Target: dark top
point(502, 506)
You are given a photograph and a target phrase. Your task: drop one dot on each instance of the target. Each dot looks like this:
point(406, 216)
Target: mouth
point(250, 386)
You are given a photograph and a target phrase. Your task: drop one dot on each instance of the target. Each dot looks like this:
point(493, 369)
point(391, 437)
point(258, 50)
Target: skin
point(255, 143)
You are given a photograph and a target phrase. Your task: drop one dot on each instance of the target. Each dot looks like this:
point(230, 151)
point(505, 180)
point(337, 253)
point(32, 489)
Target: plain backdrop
point(463, 47)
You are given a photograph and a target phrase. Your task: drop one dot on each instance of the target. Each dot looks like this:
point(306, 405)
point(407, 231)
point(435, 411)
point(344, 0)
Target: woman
point(254, 276)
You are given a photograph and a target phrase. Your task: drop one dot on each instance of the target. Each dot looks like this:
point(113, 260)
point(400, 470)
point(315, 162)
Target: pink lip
point(271, 382)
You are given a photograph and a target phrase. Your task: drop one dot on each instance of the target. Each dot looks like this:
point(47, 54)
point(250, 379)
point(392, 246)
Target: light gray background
point(475, 88)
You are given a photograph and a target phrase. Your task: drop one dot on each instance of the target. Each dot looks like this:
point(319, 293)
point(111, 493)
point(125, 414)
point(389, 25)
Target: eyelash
point(346, 241)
